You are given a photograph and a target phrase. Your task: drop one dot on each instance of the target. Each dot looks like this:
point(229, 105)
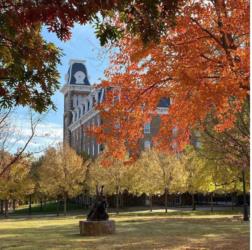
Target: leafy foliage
point(115, 178)
point(28, 74)
point(16, 182)
point(201, 64)
point(62, 172)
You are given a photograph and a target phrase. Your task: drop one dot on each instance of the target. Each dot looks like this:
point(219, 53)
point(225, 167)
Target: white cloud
point(46, 134)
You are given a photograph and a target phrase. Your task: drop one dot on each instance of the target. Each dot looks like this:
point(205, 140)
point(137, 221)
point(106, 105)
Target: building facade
point(80, 99)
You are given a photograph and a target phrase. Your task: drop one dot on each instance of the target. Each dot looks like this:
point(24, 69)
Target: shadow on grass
point(169, 233)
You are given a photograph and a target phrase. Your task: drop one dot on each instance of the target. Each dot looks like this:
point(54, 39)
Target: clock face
point(79, 77)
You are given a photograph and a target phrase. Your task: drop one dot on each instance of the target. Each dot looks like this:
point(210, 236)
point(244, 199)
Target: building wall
point(81, 141)
point(80, 114)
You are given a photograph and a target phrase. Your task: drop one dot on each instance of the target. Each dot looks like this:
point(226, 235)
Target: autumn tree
point(174, 176)
point(230, 148)
point(139, 17)
point(201, 64)
point(16, 183)
point(194, 170)
point(115, 176)
point(148, 176)
point(28, 75)
point(39, 193)
point(208, 174)
point(165, 173)
point(62, 173)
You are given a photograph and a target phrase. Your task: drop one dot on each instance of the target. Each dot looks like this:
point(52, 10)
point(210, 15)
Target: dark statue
point(99, 209)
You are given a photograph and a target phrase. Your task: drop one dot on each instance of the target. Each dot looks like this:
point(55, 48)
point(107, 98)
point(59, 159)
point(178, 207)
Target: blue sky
point(83, 45)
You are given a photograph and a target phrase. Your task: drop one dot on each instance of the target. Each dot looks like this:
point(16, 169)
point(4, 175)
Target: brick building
point(79, 112)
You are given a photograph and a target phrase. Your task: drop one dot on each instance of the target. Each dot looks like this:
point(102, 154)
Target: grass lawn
point(133, 231)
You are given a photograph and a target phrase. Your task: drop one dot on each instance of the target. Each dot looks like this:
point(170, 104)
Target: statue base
point(92, 228)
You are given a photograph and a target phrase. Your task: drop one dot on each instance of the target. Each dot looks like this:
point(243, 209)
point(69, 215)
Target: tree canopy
point(28, 72)
point(201, 64)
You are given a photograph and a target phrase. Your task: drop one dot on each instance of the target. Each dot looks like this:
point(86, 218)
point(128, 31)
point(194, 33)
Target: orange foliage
point(202, 65)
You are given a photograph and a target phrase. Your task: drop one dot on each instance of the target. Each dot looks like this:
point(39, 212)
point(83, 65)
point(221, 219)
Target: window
point(101, 147)
point(88, 105)
point(100, 96)
point(93, 149)
point(164, 102)
point(147, 128)
point(147, 144)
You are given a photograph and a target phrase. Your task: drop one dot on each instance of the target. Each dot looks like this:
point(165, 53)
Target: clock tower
point(76, 87)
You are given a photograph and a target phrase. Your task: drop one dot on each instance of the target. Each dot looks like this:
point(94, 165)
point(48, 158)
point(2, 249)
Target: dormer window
point(77, 73)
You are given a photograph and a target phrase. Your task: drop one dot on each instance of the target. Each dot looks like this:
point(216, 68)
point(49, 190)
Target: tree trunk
point(41, 205)
point(83, 200)
point(65, 204)
point(150, 197)
point(14, 205)
point(117, 199)
point(180, 200)
point(232, 200)
point(121, 200)
point(87, 200)
point(58, 206)
point(6, 208)
point(193, 202)
point(1, 206)
point(211, 201)
point(245, 207)
point(166, 200)
point(30, 204)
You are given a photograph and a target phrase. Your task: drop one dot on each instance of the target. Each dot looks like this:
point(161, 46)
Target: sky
point(83, 45)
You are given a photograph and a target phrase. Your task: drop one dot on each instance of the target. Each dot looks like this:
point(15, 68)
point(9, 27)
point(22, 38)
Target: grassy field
point(133, 231)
